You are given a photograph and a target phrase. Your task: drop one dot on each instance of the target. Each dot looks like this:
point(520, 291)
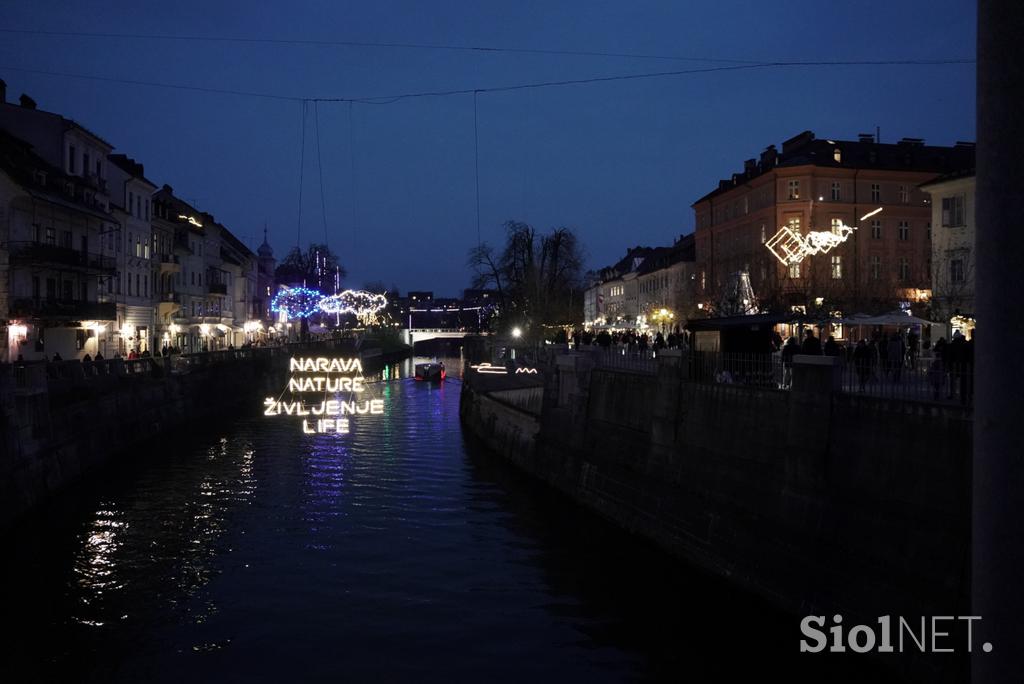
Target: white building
point(54, 213)
point(132, 247)
point(953, 257)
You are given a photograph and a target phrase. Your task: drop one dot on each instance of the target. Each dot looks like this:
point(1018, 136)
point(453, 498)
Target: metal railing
point(758, 370)
point(623, 359)
point(933, 383)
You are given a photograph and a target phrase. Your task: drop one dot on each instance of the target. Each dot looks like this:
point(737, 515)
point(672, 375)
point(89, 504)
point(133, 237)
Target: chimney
point(750, 166)
point(27, 102)
point(797, 141)
point(866, 137)
point(3, 91)
point(768, 157)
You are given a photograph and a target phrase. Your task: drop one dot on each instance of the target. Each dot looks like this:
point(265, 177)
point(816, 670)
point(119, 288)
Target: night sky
point(621, 162)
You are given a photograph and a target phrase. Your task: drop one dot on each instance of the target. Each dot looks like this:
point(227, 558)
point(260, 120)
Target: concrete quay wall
point(820, 501)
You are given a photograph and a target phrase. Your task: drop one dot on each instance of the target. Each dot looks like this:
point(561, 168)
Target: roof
point(946, 177)
point(131, 167)
point(19, 160)
point(755, 321)
point(909, 154)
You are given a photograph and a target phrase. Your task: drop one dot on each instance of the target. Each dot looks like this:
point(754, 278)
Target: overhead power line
point(370, 44)
point(389, 99)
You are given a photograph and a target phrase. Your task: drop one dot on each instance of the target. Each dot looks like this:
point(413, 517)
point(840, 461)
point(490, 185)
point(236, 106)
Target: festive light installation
point(296, 302)
point(790, 247)
point(324, 376)
point(365, 305)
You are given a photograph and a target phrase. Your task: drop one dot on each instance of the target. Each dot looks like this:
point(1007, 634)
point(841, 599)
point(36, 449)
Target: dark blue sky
point(620, 162)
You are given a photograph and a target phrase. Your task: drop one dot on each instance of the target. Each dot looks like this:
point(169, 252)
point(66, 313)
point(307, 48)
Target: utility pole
point(998, 467)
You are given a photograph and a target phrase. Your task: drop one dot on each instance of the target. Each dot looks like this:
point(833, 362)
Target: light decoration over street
point(329, 378)
point(296, 302)
point(790, 247)
point(365, 305)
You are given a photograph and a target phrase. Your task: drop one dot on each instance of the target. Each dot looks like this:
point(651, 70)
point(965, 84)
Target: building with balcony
point(52, 224)
point(823, 185)
point(179, 232)
point(133, 288)
point(614, 294)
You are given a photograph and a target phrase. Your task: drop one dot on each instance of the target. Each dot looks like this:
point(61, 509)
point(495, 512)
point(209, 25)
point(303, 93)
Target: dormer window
point(41, 178)
point(837, 154)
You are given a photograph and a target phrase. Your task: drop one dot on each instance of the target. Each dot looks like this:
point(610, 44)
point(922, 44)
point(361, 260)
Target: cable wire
point(476, 168)
point(320, 170)
point(302, 166)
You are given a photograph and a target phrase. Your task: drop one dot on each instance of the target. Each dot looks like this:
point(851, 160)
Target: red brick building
point(820, 185)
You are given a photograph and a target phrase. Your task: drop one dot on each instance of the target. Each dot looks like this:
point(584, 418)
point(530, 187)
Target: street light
point(517, 332)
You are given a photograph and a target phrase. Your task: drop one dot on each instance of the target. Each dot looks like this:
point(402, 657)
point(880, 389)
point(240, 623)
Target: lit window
point(794, 189)
point(764, 234)
point(794, 270)
point(837, 267)
point(837, 225)
point(837, 154)
point(794, 224)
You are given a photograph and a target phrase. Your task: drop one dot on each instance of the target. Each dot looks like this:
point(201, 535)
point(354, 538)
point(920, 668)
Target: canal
point(403, 551)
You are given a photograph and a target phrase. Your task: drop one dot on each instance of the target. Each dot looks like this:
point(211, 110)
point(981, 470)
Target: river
point(402, 551)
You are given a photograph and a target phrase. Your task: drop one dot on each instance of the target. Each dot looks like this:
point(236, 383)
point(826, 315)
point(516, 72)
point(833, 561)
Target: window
point(131, 204)
point(69, 290)
point(65, 239)
point(129, 284)
point(764, 233)
point(904, 194)
point(746, 205)
point(85, 163)
point(837, 267)
point(876, 229)
point(147, 210)
point(193, 274)
point(138, 292)
point(953, 210)
point(35, 287)
point(956, 270)
point(83, 290)
point(928, 230)
point(837, 154)
point(117, 280)
point(51, 288)
point(876, 267)
point(876, 192)
point(51, 236)
point(904, 231)
point(794, 189)
point(764, 272)
point(794, 270)
point(837, 225)
point(99, 167)
point(145, 286)
point(904, 269)
point(794, 224)
point(71, 158)
point(836, 192)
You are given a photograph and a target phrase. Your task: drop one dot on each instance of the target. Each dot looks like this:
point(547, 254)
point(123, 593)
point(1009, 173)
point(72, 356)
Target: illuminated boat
point(430, 372)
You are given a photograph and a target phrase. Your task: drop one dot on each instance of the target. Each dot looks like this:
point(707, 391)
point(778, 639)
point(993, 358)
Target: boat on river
point(430, 372)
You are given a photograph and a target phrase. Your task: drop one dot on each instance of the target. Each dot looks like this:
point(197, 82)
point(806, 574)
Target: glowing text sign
point(324, 376)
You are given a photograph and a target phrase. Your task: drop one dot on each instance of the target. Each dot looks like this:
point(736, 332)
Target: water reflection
point(401, 551)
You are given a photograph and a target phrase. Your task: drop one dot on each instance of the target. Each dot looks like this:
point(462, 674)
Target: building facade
point(54, 214)
point(824, 186)
point(953, 250)
point(131, 246)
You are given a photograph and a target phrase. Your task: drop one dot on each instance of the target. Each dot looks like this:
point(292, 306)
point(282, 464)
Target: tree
point(315, 268)
point(538, 278)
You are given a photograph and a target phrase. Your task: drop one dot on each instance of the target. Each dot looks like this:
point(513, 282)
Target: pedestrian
point(788, 351)
point(894, 356)
point(811, 345)
point(862, 358)
point(831, 346)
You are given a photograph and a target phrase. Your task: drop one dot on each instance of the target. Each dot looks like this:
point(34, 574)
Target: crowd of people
point(629, 340)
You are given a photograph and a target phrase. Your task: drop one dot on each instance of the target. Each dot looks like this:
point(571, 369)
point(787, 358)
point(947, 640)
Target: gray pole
point(998, 483)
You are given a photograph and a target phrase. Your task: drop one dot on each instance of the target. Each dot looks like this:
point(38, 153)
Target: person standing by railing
point(789, 350)
point(862, 362)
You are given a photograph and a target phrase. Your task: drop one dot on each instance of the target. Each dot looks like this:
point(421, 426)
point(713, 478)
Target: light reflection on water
point(399, 551)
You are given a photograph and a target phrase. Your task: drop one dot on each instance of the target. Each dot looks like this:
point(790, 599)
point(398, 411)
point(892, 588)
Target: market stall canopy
point(897, 318)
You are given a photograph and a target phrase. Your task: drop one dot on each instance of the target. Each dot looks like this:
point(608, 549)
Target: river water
point(402, 551)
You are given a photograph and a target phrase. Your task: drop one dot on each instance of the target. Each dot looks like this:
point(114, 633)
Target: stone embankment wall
point(58, 422)
point(821, 501)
